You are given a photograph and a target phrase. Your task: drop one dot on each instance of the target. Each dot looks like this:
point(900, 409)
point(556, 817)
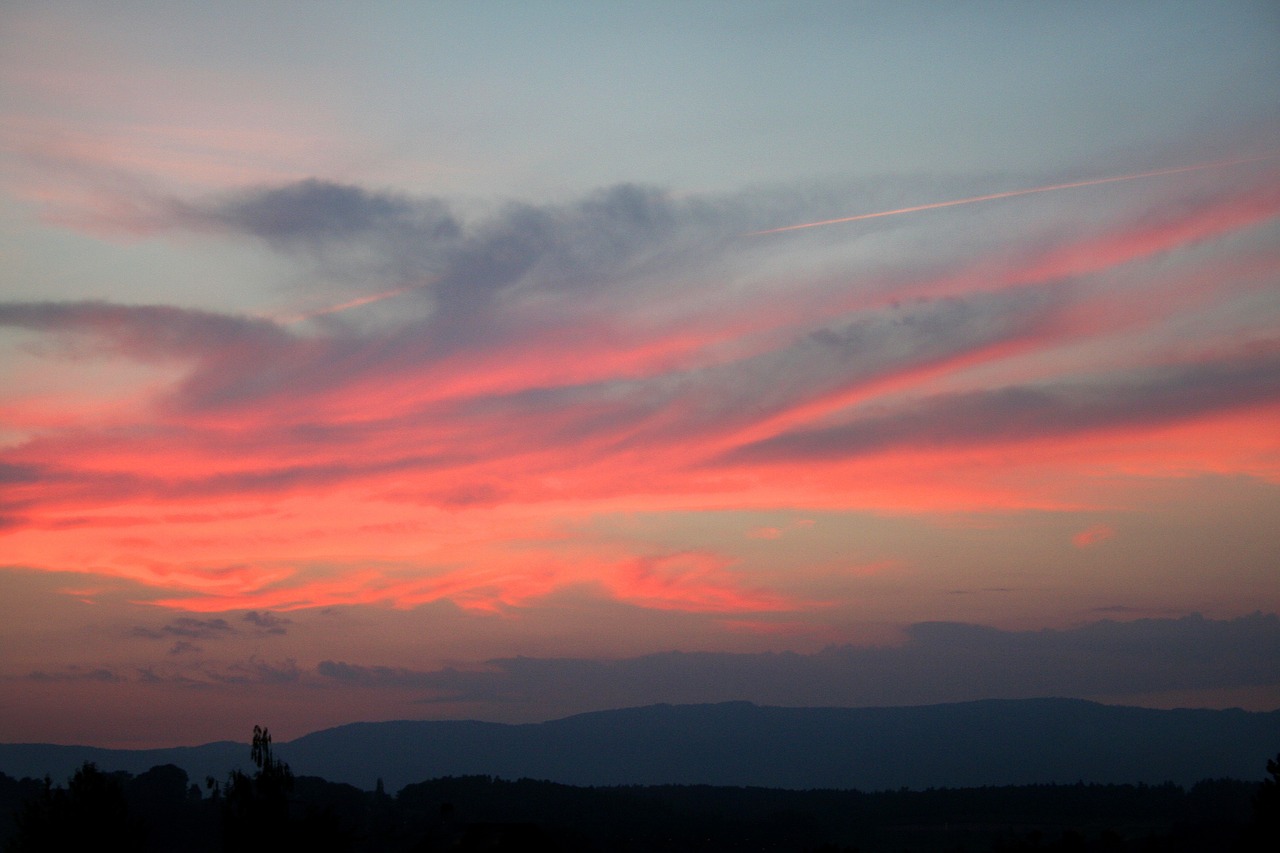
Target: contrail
point(1011, 193)
point(354, 303)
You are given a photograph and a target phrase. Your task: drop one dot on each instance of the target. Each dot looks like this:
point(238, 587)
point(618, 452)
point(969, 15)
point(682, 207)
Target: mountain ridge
point(962, 744)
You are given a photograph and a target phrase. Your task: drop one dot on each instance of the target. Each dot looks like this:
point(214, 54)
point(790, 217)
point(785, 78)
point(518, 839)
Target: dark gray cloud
point(268, 622)
point(76, 673)
point(461, 265)
point(203, 674)
point(588, 245)
point(187, 627)
point(313, 212)
point(255, 672)
point(149, 675)
point(939, 662)
point(376, 676)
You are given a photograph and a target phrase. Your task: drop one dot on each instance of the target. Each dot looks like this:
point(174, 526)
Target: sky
point(462, 360)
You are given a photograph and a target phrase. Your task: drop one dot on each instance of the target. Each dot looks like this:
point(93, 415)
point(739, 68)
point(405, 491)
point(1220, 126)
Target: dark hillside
point(1016, 742)
point(960, 745)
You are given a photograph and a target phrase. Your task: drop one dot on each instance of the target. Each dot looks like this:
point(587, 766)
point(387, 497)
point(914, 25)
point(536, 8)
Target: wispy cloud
point(628, 350)
point(1013, 414)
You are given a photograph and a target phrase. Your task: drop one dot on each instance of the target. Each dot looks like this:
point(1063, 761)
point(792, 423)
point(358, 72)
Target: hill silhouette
point(997, 742)
point(738, 743)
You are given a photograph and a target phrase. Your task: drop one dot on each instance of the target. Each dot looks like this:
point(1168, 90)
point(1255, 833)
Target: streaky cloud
point(622, 351)
point(150, 331)
point(1026, 413)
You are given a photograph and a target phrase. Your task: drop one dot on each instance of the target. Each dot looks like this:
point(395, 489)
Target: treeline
point(162, 810)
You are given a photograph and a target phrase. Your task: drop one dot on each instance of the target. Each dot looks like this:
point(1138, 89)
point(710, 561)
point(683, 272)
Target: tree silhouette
point(1264, 833)
point(256, 808)
point(90, 813)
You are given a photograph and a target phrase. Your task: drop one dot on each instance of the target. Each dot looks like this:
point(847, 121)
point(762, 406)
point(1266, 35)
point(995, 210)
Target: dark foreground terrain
point(162, 810)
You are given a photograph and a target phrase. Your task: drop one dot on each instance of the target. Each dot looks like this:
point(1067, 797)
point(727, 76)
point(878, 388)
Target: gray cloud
point(1019, 413)
point(76, 673)
point(268, 622)
point(205, 674)
point(187, 627)
point(376, 676)
point(256, 672)
point(565, 248)
point(150, 332)
point(460, 265)
point(313, 212)
point(940, 662)
point(234, 357)
point(149, 675)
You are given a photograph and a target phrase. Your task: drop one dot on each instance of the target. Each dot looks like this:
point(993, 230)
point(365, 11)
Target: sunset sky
point(434, 360)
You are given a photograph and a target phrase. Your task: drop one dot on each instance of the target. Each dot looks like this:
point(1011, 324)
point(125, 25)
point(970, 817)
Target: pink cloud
point(460, 434)
point(692, 581)
point(1093, 535)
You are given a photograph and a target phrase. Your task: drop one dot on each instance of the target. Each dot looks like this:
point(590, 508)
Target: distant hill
point(997, 742)
point(37, 760)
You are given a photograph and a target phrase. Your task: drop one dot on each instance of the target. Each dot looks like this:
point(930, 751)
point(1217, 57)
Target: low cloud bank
point(940, 662)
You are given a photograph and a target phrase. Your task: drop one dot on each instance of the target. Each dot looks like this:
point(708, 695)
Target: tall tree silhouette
point(256, 808)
